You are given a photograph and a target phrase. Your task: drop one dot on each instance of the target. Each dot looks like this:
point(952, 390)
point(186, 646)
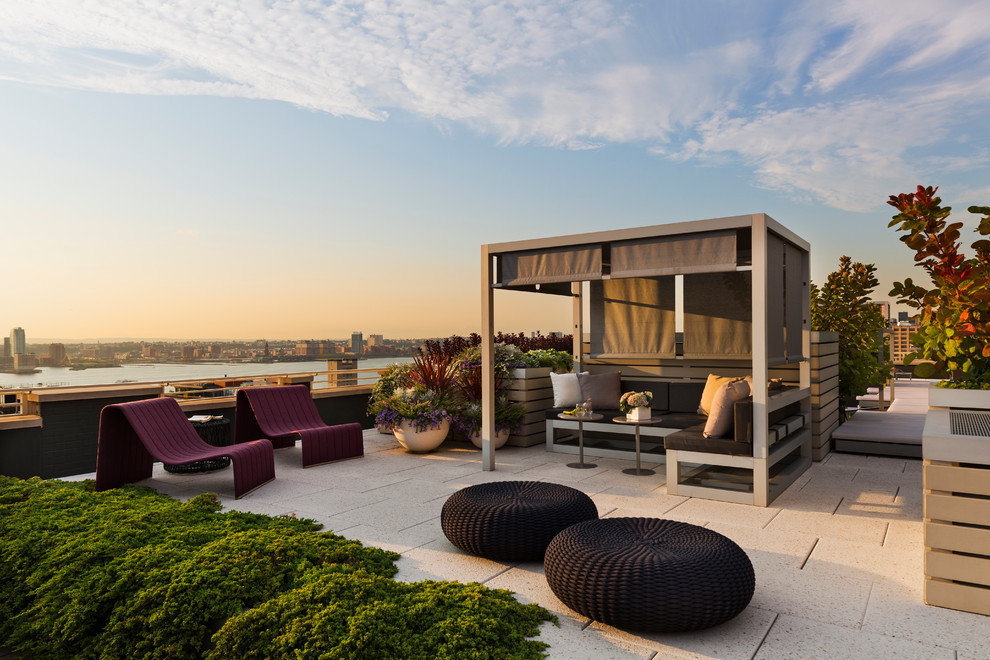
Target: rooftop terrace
point(838, 556)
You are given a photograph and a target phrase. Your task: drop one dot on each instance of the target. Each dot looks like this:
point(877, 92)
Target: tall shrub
point(955, 311)
point(843, 305)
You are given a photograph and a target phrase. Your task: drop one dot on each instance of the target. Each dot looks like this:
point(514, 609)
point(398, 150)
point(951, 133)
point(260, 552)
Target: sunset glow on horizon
point(305, 170)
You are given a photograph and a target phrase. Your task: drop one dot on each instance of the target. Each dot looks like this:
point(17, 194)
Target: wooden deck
point(896, 431)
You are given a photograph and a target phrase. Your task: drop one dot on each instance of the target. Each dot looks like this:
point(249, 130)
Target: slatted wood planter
point(824, 392)
point(956, 451)
point(533, 389)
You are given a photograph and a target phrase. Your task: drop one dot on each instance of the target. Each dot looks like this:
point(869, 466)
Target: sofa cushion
point(685, 395)
point(711, 389)
point(604, 389)
point(693, 439)
point(721, 415)
point(566, 390)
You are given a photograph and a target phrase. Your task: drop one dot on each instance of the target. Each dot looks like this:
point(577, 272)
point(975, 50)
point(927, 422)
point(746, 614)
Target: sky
point(305, 169)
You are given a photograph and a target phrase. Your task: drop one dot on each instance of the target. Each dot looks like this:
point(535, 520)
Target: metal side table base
point(581, 465)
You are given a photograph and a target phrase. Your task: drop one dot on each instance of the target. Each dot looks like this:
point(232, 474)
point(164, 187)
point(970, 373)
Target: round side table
point(581, 419)
point(638, 471)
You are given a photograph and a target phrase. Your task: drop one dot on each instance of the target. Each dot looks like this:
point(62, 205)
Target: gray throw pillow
point(604, 390)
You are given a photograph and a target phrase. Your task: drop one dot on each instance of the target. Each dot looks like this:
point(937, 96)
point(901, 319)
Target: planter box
point(533, 389)
point(941, 397)
point(957, 499)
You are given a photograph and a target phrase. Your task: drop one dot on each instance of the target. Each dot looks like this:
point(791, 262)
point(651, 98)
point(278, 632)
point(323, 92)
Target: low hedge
point(131, 573)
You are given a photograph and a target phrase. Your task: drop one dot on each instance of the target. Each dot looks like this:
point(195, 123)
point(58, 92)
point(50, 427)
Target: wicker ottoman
point(648, 574)
point(512, 520)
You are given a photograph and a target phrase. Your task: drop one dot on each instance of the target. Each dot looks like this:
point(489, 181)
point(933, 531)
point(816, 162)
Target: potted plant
point(391, 378)
point(954, 333)
point(508, 418)
point(636, 405)
point(419, 418)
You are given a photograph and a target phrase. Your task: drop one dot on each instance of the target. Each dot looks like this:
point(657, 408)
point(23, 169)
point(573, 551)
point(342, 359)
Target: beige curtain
point(718, 315)
point(633, 317)
point(794, 285)
point(568, 264)
point(702, 252)
point(775, 300)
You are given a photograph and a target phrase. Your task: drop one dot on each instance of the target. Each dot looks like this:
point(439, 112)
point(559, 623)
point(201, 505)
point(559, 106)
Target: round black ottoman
point(649, 575)
point(512, 520)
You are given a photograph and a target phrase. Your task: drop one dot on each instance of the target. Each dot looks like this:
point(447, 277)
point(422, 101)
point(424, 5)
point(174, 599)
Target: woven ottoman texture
point(648, 574)
point(512, 520)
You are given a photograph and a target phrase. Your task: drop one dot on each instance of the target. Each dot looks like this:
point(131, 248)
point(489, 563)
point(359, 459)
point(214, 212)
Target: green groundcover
point(129, 573)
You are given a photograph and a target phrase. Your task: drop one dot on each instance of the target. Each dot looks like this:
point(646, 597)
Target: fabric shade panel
point(565, 264)
point(775, 300)
point(702, 252)
point(794, 292)
point(718, 315)
point(633, 317)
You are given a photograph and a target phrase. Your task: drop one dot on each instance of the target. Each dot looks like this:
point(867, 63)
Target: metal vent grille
point(962, 423)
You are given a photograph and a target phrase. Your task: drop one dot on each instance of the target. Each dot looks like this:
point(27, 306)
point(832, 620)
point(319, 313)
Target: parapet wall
point(59, 438)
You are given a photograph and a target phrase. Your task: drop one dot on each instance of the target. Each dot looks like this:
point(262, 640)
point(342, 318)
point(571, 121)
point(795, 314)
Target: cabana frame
point(706, 253)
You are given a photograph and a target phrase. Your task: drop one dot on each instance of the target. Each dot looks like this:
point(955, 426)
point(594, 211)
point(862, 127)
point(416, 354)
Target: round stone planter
point(420, 442)
point(497, 441)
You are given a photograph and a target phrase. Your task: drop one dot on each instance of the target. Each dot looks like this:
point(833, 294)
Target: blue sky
point(305, 169)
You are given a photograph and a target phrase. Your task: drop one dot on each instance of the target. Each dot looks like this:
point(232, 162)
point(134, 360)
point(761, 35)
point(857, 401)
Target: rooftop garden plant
point(424, 409)
point(391, 378)
point(954, 334)
point(508, 416)
point(561, 362)
point(129, 573)
point(842, 304)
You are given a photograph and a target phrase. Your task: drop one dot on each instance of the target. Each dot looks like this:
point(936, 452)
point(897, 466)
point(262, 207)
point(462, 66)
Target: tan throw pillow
point(604, 390)
point(720, 420)
point(711, 387)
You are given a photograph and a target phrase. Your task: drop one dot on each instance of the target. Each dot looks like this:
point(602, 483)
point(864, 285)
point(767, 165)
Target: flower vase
point(639, 414)
point(497, 441)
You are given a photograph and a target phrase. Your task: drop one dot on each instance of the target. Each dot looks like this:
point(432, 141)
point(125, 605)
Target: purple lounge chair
point(285, 413)
point(133, 435)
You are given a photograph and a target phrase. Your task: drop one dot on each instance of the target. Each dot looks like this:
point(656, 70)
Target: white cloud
point(824, 103)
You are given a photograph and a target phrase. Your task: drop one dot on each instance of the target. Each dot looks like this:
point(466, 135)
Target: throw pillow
point(566, 390)
point(711, 387)
point(604, 390)
point(720, 420)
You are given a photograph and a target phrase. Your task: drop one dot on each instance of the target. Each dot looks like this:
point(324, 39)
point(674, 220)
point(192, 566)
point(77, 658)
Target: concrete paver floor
point(838, 556)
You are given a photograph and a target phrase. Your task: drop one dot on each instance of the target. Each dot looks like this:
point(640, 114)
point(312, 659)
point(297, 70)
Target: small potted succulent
point(636, 405)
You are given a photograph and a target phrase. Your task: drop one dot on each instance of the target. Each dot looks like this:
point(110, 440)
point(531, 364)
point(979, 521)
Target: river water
point(167, 371)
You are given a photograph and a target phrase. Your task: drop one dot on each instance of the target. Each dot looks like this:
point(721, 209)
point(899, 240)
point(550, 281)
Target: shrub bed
point(131, 573)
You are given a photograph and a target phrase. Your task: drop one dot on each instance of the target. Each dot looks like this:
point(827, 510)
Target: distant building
point(900, 340)
point(884, 309)
point(376, 341)
point(902, 316)
point(56, 353)
point(188, 352)
point(25, 362)
point(18, 345)
point(6, 348)
point(357, 343)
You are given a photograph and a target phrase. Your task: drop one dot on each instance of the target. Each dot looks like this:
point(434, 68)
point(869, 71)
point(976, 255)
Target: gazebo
point(673, 303)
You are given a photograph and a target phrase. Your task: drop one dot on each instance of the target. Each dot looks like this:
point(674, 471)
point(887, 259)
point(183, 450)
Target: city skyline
point(299, 171)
